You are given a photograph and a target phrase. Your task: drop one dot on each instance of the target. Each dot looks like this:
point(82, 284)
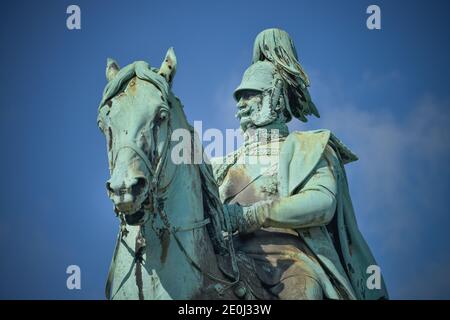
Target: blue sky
point(384, 93)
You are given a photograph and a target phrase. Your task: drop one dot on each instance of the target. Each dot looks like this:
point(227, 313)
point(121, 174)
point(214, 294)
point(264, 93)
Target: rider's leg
point(298, 282)
point(301, 287)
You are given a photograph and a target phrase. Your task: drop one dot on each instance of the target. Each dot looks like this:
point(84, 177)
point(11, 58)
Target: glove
point(248, 219)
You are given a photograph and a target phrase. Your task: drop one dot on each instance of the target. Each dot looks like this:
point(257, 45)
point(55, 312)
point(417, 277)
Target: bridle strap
point(193, 226)
point(163, 158)
point(155, 172)
point(139, 152)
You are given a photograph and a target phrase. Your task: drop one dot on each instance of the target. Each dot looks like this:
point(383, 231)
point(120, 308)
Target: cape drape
point(347, 256)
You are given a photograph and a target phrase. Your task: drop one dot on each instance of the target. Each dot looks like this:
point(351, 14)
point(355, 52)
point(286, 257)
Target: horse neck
point(184, 202)
point(183, 207)
point(166, 271)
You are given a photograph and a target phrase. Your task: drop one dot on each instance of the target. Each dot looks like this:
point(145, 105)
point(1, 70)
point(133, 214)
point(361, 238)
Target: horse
point(170, 244)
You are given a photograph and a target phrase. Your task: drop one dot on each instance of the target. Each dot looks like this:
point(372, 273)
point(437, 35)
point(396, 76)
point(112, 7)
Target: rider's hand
point(250, 218)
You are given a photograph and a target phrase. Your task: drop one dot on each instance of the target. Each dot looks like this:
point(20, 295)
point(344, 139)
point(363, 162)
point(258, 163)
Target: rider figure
point(286, 193)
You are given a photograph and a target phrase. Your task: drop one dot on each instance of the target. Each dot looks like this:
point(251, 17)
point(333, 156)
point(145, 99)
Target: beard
point(256, 115)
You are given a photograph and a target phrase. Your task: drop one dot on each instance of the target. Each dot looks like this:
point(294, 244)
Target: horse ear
point(169, 66)
point(112, 67)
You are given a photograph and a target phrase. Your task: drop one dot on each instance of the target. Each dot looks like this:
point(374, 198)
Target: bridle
point(155, 172)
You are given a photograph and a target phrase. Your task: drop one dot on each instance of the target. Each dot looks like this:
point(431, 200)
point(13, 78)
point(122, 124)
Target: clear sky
point(385, 93)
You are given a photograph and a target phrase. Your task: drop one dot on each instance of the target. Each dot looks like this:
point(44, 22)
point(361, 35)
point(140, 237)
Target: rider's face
point(249, 101)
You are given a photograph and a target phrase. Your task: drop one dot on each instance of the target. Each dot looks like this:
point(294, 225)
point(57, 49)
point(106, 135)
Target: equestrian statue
point(271, 220)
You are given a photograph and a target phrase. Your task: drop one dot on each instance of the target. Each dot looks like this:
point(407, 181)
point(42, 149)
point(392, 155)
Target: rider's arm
point(313, 206)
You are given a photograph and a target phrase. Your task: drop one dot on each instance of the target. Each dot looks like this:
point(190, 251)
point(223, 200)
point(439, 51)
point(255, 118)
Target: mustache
point(243, 112)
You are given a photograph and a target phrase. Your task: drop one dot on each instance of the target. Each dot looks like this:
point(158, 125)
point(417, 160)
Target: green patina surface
point(273, 219)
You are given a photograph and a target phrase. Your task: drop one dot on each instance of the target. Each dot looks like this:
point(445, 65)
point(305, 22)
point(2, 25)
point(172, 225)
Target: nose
point(243, 108)
point(134, 186)
point(241, 103)
point(126, 193)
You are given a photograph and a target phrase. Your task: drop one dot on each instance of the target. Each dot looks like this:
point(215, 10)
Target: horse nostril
point(139, 186)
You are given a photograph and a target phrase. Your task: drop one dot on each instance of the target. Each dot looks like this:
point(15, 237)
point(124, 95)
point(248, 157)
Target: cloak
point(339, 246)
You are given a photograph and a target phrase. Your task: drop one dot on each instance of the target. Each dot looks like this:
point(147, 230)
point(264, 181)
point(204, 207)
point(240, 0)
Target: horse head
point(135, 116)
point(159, 198)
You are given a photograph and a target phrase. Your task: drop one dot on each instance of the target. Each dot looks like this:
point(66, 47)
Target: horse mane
point(140, 69)
point(212, 206)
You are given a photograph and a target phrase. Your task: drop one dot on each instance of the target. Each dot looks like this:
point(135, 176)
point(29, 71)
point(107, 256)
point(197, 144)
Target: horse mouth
point(136, 218)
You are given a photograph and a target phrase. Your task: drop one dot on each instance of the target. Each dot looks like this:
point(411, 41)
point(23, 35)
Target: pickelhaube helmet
point(259, 76)
point(275, 67)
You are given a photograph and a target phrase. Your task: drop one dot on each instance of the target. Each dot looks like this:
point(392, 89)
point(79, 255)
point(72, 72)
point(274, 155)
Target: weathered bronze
point(271, 220)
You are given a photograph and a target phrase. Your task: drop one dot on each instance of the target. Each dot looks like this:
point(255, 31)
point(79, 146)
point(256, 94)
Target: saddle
point(255, 279)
